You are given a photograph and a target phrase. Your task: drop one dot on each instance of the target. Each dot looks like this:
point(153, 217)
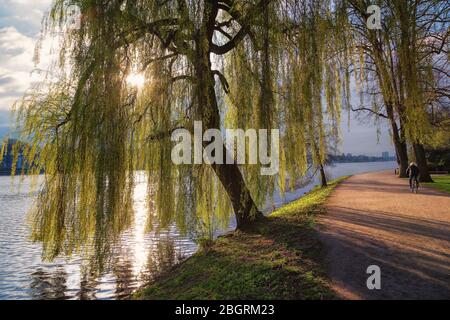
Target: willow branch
point(372, 111)
point(223, 81)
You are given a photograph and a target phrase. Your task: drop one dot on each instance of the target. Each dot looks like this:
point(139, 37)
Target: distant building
point(385, 155)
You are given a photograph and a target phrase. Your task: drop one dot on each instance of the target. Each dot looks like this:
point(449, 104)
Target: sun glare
point(136, 80)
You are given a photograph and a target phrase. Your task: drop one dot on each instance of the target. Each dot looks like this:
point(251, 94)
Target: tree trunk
point(208, 112)
point(229, 175)
point(399, 143)
point(403, 158)
point(244, 207)
point(323, 177)
point(419, 153)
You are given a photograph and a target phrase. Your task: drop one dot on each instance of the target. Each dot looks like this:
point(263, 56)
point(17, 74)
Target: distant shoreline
point(7, 172)
point(375, 161)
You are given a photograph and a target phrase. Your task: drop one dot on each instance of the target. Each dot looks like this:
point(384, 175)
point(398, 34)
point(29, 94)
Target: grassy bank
point(441, 183)
point(279, 258)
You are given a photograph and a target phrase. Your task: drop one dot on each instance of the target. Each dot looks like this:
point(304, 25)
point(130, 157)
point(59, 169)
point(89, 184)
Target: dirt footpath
point(373, 219)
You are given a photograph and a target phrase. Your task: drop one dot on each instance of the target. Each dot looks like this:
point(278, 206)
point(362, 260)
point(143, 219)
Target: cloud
point(20, 26)
point(16, 64)
point(16, 49)
point(24, 15)
point(5, 80)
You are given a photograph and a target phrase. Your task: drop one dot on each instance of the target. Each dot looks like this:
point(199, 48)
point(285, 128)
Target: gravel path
point(373, 219)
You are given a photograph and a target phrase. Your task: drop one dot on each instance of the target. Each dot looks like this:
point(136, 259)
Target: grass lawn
point(279, 258)
point(441, 182)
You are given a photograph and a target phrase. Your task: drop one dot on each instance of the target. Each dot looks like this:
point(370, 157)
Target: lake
point(139, 256)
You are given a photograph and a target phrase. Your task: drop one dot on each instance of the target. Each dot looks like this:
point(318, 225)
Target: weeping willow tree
point(242, 64)
point(405, 59)
point(421, 41)
point(318, 82)
point(376, 74)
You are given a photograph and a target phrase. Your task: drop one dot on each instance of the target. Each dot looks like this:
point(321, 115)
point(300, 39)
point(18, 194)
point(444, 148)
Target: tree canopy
point(238, 64)
point(402, 71)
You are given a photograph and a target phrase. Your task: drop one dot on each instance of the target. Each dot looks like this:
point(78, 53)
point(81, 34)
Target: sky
point(20, 26)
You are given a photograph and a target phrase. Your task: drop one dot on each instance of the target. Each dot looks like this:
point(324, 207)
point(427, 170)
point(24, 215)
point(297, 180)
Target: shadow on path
point(373, 219)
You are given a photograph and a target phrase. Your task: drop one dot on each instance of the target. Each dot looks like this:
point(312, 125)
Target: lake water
point(140, 255)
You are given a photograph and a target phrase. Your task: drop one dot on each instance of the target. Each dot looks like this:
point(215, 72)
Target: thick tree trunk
point(403, 158)
point(229, 175)
point(244, 207)
point(208, 112)
point(419, 153)
point(386, 86)
point(399, 143)
point(323, 177)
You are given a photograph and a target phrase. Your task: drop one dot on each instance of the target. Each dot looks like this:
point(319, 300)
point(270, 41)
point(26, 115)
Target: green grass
point(278, 258)
point(441, 182)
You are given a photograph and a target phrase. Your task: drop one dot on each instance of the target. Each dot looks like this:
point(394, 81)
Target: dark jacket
point(413, 171)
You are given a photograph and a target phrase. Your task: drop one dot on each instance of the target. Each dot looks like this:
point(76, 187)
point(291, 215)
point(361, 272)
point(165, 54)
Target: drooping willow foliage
point(403, 68)
point(235, 64)
point(423, 44)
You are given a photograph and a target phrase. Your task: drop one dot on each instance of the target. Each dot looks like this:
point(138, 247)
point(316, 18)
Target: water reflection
point(125, 278)
point(161, 259)
point(48, 285)
point(52, 284)
point(23, 275)
point(88, 287)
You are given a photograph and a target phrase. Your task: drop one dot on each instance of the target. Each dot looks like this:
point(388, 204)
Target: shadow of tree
point(278, 258)
point(413, 253)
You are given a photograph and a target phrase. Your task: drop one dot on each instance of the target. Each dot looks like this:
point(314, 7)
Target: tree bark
point(403, 156)
point(419, 153)
point(323, 177)
point(399, 143)
point(243, 205)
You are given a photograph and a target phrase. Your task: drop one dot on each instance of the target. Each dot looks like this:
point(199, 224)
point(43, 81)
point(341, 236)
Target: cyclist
point(413, 172)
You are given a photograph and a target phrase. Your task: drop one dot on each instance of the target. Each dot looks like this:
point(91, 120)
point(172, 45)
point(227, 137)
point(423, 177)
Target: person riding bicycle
point(413, 172)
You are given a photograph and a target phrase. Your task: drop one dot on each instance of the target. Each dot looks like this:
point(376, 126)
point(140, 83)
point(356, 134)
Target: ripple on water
point(23, 274)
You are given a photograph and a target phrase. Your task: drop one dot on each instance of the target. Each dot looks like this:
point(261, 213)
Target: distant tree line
point(347, 158)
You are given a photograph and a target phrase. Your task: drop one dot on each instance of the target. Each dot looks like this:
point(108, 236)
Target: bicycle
point(415, 186)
